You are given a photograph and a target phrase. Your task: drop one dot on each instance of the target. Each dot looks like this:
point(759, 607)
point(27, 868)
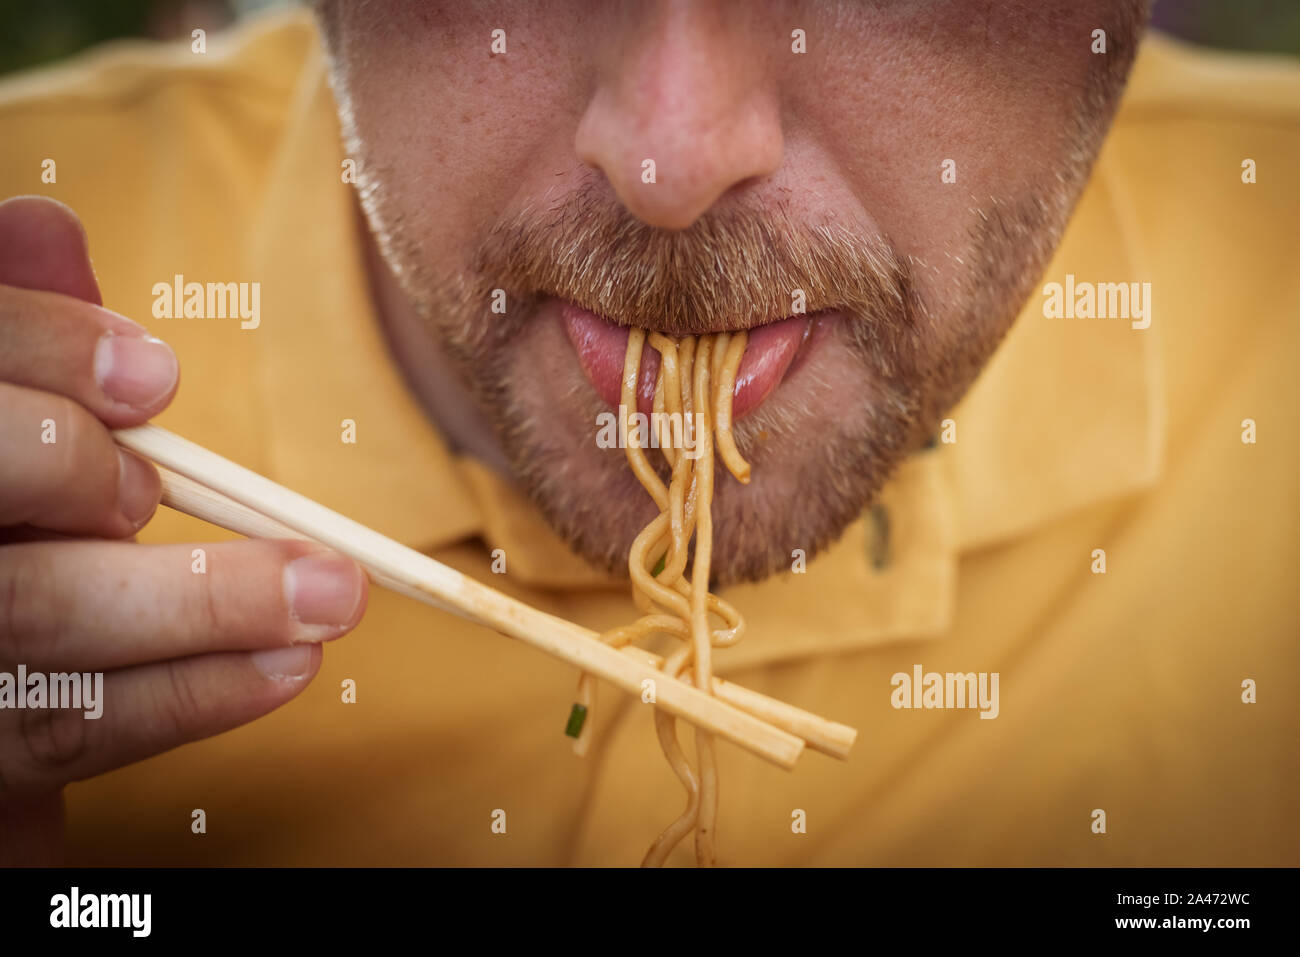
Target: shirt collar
point(1067, 413)
point(321, 352)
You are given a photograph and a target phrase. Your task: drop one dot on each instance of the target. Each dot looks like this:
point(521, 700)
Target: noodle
point(697, 378)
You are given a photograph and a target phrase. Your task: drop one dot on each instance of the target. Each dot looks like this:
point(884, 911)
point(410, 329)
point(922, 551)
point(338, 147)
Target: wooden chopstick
point(828, 737)
point(193, 498)
point(216, 481)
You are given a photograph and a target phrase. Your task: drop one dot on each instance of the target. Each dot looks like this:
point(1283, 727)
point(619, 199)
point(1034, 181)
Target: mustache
point(732, 269)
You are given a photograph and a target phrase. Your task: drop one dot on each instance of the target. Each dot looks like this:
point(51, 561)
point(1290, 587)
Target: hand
point(183, 655)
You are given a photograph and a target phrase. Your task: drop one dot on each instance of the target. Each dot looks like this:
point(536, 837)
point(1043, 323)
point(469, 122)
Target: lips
point(601, 346)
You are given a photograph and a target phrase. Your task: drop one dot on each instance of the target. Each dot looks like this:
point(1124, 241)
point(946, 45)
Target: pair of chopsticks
point(207, 486)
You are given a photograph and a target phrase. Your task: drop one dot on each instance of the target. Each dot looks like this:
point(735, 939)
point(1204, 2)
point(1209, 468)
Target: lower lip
point(601, 346)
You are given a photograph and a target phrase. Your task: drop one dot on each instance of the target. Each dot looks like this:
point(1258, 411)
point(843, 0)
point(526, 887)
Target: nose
point(681, 114)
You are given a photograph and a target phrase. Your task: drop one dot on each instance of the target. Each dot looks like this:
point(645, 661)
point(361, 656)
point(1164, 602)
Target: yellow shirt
point(1119, 691)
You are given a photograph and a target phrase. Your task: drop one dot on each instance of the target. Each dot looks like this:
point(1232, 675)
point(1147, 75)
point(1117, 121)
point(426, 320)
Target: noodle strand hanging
point(692, 406)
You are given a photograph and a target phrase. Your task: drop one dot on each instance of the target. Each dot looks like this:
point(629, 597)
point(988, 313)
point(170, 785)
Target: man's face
point(774, 172)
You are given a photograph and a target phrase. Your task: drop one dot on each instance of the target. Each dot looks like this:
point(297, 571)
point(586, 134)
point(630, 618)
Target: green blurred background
point(35, 33)
point(32, 33)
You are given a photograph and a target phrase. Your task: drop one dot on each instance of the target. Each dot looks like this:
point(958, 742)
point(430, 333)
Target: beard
point(883, 374)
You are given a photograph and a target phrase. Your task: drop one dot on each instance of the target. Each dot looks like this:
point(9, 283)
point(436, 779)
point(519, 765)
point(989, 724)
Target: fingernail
point(322, 589)
point(291, 662)
point(135, 370)
point(137, 489)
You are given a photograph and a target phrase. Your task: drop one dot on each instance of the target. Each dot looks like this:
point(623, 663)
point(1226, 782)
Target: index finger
point(103, 361)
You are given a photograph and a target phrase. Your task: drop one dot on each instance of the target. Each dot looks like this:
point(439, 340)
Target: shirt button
point(878, 542)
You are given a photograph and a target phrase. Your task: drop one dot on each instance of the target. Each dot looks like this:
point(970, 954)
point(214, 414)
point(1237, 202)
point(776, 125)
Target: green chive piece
point(577, 717)
point(660, 567)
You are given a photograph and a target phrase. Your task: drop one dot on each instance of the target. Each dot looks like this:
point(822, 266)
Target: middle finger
point(93, 606)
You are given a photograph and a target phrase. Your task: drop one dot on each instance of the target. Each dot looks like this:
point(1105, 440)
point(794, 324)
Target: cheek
point(455, 133)
point(910, 91)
